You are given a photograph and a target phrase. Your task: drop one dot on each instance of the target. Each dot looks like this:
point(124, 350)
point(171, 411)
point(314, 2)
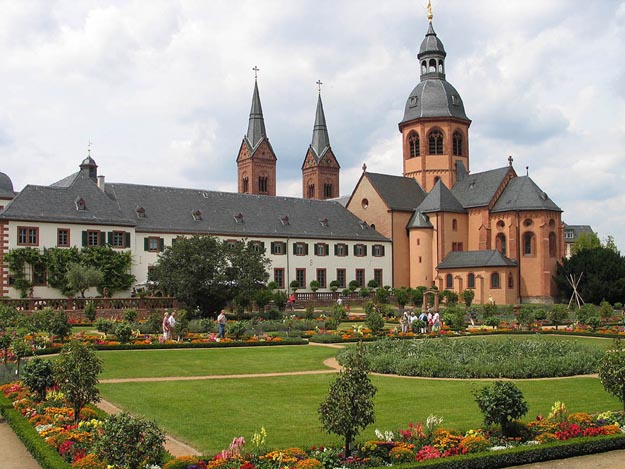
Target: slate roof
point(6, 186)
point(576, 230)
point(434, 98)
point(320, 139)
point(431, 44)
point(58, 204)
point(469, 259)
point(398, 192)
point(419, 220)
point(256, 128)
point(169, 209)
point(521, 193)
point(478, 189)
point(440, 199)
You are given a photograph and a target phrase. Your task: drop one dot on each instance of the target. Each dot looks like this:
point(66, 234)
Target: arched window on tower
point(457, 144)
point(440, 67)
point(311, 190)
point(246, 185)
point(432, 65)
point(435, 142)
point(552, 244)
point(327, 191)
point(529, 244)
point(262, 184)
point(424, 67)
point(494, 280)
point(413, 143)
point(500, 243)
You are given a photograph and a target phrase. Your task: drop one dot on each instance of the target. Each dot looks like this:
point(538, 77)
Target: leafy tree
point(372, 284)
point(525, 316)
point(609, 243)
point(130, 442)
point(206, 273)
point(80, 278)
point(279, 299)
point(76, 371)
point(488, 310)
point(467, 297)
point(90, 311)
point(402, 296)
point(338, 313)
point(20, 349)
point(381, 295)
point(557, 314)
point(594, 322)
point(585, 312)
point(450, 297)
point(374, 321)
point(123, 332)
point(38, 376)
point(353, 286)
point(586, 241)
point(605, 310)
point(58, 261)
point(612, 371)
point(349, 408)
point(501, 403)
point(603, 275)
point(417, 296)
point(262, 298)
point(105, 326)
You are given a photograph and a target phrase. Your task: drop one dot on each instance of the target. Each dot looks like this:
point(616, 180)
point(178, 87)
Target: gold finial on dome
point(430, 15)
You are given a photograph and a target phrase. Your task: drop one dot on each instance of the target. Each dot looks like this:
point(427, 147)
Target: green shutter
point(102, 238)
point(161, 244)
point(306, 249)
point(364, 250)
point(262, 245)
point(146, 244)
point(382, 249)
point(336, 249)
point(110, 237)
point(326, 249)
point(127, 240)
point(273, 247)
point(294, 248)
point(354, 249)
point(84, 238)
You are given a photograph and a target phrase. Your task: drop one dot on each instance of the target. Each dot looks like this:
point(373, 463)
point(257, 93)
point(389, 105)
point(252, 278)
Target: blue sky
point(163, 89)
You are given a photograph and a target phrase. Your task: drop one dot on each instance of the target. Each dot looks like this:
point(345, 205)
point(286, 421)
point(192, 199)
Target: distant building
point(571, 235)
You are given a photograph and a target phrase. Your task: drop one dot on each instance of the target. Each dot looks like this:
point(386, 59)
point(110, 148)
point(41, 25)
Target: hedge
point(46, 455)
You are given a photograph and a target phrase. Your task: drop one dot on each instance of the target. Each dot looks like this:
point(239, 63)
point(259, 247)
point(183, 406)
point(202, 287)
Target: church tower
point(256, 161)
point(435, 128)
point(320, 170)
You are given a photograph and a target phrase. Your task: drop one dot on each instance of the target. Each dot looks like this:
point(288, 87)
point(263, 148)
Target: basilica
point(437, 224)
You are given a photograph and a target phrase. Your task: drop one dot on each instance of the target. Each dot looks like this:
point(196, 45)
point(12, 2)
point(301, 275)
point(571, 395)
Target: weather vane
point(319, 83)
point(256, 70)
point(430, 15)
point(89, 148)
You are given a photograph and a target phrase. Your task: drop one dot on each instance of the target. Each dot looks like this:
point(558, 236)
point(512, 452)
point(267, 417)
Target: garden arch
point(436, 295)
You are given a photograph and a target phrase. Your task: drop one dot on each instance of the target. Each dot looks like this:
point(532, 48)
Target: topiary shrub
point(501, 403)
point(123, 331)
point(131, 442)
point(375, 321)
point(130, 315)
point(104, 325)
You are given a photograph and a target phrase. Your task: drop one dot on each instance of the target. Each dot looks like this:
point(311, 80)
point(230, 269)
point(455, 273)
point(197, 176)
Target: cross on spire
point(510, 160)
point(319, 83)
point(256, 70)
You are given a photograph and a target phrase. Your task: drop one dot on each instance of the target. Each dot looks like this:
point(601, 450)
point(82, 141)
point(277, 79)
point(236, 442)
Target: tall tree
point(603, 275)
point(348, 408)
point(204, 272)
point(586, 240)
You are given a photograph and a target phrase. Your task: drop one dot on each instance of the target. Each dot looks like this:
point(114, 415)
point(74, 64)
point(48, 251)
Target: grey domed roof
point(434, 98)
point(88, 162)
point(431, 44)
point(6, 186)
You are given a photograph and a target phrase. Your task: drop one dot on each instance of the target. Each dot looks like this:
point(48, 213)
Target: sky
point(163, 89)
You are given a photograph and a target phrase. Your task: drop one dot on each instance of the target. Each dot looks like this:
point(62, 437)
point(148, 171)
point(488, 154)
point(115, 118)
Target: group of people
point(169, 325)
point(430, 321)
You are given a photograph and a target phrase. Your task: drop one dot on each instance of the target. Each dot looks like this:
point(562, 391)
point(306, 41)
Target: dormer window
point(238, 218)
point(197, 215)
point(324, 222)
point(80, 204)
point(285, 220)
point(364, 225)
point(140, 212)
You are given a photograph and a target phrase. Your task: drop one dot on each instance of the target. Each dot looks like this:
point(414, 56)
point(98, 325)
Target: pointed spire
point(320, 140)
point(256, 128)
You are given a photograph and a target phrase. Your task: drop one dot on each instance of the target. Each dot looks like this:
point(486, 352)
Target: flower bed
point(419, 444)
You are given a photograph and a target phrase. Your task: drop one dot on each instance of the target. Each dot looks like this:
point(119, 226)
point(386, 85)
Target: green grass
point(203, 362)
point(208, 413)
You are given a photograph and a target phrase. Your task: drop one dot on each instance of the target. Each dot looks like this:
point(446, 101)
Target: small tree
point(130, 315)
point(38, 376)
point(501, 403)
point(402, 296)
point(525, 316)
point(612, 371)
point(605, 310)
point(334, 285)
point(262, 298)
point(76, 371)
point(80, 278)
point(58, 325)
point(280, 298)
point(90, 311)
point(337, 315)
point(586, 311)
point(381, 295)
point(467, 297)
point(131, 442)
point(348, 408)
point(353, 285)
point(294, 285)
point(488, 310)
point(374, 321)
point(314, 285)
point(372, 284)
point(20, 349)
point(123, 331)
point(557, 315)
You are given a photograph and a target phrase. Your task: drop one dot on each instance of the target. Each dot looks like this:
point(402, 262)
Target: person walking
point(172, 326)
point(221, 321)
point(166, 326)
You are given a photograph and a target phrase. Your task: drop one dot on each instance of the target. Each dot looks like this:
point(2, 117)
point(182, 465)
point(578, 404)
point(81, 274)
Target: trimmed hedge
point(525, 454)
point(45, 455)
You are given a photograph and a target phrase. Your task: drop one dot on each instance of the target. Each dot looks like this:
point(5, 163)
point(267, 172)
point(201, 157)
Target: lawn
point(216, 361)
point(209, 413)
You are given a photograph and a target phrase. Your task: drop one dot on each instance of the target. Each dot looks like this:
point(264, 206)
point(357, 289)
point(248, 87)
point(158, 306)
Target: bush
point(90, 311)
point(557, 315)
point(123, 331)
point(131, 442)
point(375, 321)
point(279, 299)
point(594, 323)
point(37, 375)
point(501, 403)
point(382, 295)
point(488, 310)
point(585, 312)
point(525, 316)
point(492, 321)
point(130, 315)
point(334, 285)
point(467, 297)
point(605, 310)
point(104, 325)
